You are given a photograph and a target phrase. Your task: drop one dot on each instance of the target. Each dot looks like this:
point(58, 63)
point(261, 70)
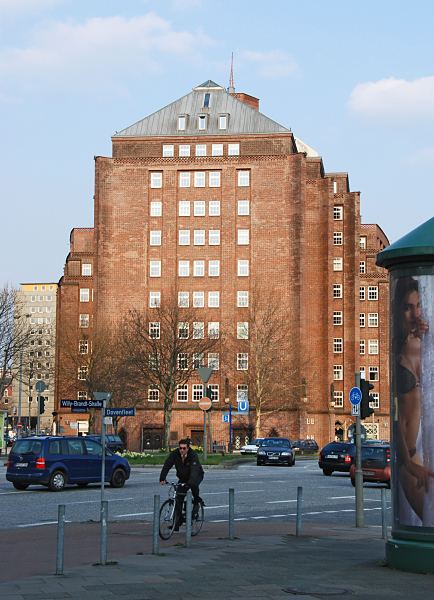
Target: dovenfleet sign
point(120, 412)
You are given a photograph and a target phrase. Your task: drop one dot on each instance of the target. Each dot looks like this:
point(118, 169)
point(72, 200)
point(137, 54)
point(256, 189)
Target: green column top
point(415, 247)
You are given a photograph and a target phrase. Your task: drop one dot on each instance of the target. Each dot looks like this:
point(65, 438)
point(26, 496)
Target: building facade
point(213, 204)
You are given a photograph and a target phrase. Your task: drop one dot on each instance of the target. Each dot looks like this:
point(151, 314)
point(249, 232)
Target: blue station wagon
point(55, 461)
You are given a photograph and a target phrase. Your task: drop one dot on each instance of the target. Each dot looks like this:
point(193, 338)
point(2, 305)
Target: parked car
point(375, 464)
point(305, 446)
point(55, 461)
point(336, 456)
point(251, 448)
point(275, 451)
point(114, 442)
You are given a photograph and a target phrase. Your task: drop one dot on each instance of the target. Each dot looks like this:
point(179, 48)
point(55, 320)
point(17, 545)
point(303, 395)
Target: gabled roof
point(242, 119)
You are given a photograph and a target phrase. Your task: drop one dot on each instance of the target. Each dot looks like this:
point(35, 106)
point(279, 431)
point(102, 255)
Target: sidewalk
point(265, 562)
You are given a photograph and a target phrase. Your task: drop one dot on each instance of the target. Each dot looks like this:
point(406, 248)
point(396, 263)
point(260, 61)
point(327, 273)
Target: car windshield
point(27, 447)
point(373, 453)
point(273, 442)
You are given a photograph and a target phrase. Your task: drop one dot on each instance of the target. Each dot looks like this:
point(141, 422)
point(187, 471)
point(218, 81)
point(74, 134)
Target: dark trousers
point(180, 497)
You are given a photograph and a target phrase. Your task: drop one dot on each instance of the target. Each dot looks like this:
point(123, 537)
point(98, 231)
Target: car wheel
point(118, 478)
point(57, 481)
point(327, 472)
point(292, 463)
point(20, 486)
point(258, 463)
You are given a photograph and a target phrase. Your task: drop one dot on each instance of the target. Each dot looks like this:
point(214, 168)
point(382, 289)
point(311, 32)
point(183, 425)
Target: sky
point(354, 80)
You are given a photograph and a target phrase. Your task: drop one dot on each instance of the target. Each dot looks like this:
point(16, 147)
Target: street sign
point(100, 396)
point(225, 417)
point(205, 403)
point(243, 407)
point(81, 404)
point(40, 386)
point(205, 373)
point(120, 412)
point(355, 395)
point(355, 410)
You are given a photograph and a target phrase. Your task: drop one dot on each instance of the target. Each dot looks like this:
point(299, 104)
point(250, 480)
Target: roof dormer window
point(201, 122)
point(182, 122)
point(223, 121)
point(206, 100)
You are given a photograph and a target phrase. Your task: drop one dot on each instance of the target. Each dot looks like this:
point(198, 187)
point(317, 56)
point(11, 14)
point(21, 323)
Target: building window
point(182, 393)
point(337, 290)
point(184, 208)
point(337, 317)
point(335, 187)
point(223, 121)
point(182, 361)
point(338, 238)
point(213, 299)
point(374, 373)
point(183, 330)
point(155, 237)
point(362, 293)
point(338, 263)
point(242, 361)
point(198, 330)
point(199, 179)
point(183, 299)
point(156, 208)
point(373, 346)
point(214, 208)
point(198, 360)
point(198, 299)
point(375, 404)
point(214, 179)
point(184, 179)
point(183, 268)
point(84, 295)
point(243, 237)
point(154, 330)
point(242, 392)
point(182, 122)
point(338, 399)
point(86, 271)
point(233, 149)
point(199, 237)
point(362, 347)
point(153, 394)
point(243, 178)
point(200, 149)
point(82, 373)
point(362, 268)
point(197, 392)
point(213, 268)
point(362, 320)
point(242, 299)
point(362, 242)
point(84, 321)
point(184, 150)
point(217, 150)
point(83, 347)
point(184, 237)
point(242, 330)
point(82, 395)
point(214, 330)
point(214, 361)
point(201, 122)
point(338, 345)
point(154, 299)
point(155, 268)
point(199, 268)
point(214, 389)
point(372, 319)
point(372, 292)
point(338, 213)
point(243, 208)
point(168, 151)
point(199, 208)
point(214, 237)
point(338, 372)
point(243, 268)
point(362, 372)
point(156, 179)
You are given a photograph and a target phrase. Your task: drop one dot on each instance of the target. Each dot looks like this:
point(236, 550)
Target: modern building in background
point(37, 304)
point(212, 201)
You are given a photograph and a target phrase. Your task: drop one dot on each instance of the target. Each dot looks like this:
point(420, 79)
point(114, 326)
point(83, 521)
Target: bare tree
point(165, 345)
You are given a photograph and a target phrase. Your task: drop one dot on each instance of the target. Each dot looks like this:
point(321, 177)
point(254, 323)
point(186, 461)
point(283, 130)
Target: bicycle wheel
point(167, 516)
point(197, 520)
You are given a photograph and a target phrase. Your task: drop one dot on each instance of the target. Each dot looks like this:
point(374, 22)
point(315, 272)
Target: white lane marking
point(280, 501)
point(341, 497)
point(259, 517)
point(219, 506)
point(40, 524)
point(236, 491)
point(133, 514)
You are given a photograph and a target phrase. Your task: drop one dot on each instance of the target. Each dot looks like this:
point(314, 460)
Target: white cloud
point(394, 98)
point(97, 52)
point(272, 64)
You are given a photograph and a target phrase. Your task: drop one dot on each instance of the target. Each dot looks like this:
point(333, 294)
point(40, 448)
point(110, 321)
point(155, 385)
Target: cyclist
point(189, 472)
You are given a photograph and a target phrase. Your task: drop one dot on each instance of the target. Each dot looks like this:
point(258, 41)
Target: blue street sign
point(355, 395)
point(84, 404)
point(120, 412)
point(243, 407)
point(225, 417)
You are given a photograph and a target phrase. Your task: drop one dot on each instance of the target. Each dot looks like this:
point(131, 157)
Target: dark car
point(305, 446)
point(114, 442)
point(336, 456)
point(375, 464)
point(55, 461)
point(275, 451)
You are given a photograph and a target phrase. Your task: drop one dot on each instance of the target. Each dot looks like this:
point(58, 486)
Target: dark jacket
point(190, 471)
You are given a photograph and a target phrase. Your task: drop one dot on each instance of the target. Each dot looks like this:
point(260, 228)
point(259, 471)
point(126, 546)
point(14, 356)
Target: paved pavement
point(266, 561)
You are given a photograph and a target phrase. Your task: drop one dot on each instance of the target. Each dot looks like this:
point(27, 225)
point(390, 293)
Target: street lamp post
point(20, 392)
point(229, 403)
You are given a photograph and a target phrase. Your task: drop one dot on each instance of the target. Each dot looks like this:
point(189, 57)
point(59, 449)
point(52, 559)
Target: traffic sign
point(40, 386)
point(205, 373)
point(225, 417)
point(120, 412)
point(205, 403)
point(355, 395)
point(355, 410)
point(243, 407)
point(81, 404)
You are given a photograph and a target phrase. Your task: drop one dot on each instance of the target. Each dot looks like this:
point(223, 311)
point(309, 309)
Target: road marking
point(219, 506)
point(133, 514)
point(40, 524)
point(341, 497)
point(279, 501)
point(236, 491)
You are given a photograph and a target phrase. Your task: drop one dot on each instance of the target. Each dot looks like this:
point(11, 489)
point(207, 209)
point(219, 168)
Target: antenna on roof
point(231, 88)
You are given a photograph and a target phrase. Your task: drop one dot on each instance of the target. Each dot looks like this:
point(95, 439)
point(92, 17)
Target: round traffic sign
point(355, 395)
point(205, 403)
point(40, 386)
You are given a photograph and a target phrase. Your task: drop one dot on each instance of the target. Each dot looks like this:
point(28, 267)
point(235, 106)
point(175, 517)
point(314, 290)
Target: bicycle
point(167, 512)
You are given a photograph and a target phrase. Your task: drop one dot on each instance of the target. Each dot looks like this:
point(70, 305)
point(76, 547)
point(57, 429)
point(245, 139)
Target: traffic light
point(208, 392)
point(365, 409)
point(41, 400)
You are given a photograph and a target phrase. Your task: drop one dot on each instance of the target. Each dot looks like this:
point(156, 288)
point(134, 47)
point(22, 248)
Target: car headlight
point(261, 451)
point(286, 453)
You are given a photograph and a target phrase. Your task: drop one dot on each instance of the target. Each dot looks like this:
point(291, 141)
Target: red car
point(375, 464)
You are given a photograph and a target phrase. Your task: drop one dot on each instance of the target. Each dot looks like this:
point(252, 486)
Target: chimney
point(247, 99)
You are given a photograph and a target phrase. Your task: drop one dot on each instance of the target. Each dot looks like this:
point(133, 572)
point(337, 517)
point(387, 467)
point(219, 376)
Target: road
point(260, 493)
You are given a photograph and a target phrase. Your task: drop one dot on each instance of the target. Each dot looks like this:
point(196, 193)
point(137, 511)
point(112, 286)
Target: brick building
point(212, 201)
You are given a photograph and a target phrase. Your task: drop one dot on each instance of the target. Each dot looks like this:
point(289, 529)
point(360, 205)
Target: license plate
point(368, 473)
point(273, 457)
point(331, 456)
point(21, 464)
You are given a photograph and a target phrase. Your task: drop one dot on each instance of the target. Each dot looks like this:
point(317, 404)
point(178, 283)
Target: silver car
point(251, 448)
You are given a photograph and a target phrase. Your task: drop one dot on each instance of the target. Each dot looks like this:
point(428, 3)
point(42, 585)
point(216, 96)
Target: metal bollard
point(231, 513)
point(60, 539)
point(188, 512)
point(383, 514)
point(299, 510)
point(104, 518)
point(156, 526)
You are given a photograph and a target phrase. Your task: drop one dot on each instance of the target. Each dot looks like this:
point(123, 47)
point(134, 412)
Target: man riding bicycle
point(189, 472)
